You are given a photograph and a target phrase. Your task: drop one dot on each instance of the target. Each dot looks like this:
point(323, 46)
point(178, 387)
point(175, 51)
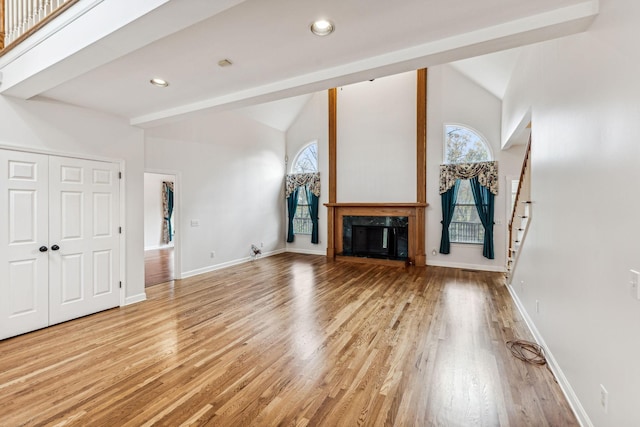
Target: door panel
point(84, 199)
point(71, 284)
point(72, 215)
point(24, 295)
point(102, 272)
point(23, 289)
point(22, 216)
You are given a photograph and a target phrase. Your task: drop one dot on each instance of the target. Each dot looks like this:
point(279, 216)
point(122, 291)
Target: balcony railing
point(21, 18)
point(466, 232)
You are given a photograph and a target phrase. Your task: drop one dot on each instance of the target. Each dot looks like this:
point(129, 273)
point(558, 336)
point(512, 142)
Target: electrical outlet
point(262, 244)
point(213, 254)
point(604, 399)
point(195, 223)
point(537, 306)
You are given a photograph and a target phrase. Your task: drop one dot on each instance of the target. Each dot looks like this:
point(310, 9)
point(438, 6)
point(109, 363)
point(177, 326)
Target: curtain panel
point(448, 199)
point(167, 208)
point(313, 213)
point(292, 205)
point(483, 199)
point(486, 172)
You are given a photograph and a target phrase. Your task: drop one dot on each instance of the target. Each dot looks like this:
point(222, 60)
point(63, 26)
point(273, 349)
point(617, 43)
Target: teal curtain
point(168, 210)
point(448, 199)
point(483, 199)
point(292, 205)
point(312, 199)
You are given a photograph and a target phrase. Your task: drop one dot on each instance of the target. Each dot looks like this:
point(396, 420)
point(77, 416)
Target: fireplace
point(405, 222)
point(384, 237)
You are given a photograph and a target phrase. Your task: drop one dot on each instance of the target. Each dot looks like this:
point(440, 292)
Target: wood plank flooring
point(288, 340)
point(158, 266)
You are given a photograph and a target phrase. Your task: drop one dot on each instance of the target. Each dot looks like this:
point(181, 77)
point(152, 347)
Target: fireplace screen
point(376, 237)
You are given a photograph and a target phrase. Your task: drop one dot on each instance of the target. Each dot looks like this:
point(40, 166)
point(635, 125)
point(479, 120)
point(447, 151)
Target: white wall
point(376, 140)
point(312, 125)
point(63, 129)
point(583, 238)
point(154, 209)
point(453, 98)
point(376, 150)
point(231, 181)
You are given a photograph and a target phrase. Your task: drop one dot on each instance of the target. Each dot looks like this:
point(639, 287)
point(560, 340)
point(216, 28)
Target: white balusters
point(20, 16)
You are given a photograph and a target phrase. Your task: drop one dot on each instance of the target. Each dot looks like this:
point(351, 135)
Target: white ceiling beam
point(545, 26)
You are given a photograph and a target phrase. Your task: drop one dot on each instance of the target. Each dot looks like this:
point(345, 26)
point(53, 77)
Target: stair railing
point(521, 211)
point(21, 18)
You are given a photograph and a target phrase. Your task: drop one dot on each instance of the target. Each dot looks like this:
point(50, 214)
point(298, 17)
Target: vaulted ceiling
point(275, 56)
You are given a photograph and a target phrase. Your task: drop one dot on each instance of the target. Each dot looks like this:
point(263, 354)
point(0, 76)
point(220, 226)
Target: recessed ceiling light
point(159, 82)
point(322, 27)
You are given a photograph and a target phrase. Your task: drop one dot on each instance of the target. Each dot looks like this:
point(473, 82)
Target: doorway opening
point(159, 228)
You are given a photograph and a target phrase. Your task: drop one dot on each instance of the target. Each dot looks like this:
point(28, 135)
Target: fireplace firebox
point(383, 237)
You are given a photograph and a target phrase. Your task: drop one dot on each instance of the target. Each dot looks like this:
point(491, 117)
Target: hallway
point(158, 266)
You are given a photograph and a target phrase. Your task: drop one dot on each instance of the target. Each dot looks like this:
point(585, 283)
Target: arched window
point(306, 161)
point(465, 145)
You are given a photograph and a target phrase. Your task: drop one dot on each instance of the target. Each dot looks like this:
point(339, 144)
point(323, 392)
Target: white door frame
point(177, 202)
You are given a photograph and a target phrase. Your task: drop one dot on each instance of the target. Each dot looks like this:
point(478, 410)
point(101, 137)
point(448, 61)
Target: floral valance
point(296, 180)
point(487, 173)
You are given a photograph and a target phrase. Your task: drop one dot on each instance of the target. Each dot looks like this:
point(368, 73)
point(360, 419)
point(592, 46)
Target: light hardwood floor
point(158, 266)
point(288, 340)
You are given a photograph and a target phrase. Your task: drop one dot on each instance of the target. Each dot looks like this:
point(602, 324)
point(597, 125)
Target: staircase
point(521, 215)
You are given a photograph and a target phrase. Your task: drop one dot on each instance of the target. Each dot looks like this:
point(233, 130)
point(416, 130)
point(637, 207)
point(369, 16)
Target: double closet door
point(59, 239)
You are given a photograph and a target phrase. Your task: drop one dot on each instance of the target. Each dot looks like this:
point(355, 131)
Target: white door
point(24, 275)
point(84, 237)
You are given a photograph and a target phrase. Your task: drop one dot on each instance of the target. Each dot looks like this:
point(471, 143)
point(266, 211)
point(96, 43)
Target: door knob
point(43, 249)
point(55, 247)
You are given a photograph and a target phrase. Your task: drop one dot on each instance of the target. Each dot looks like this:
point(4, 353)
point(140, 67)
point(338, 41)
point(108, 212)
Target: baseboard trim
point(186, 274)
point(306, 251)
point(135, 299)
point(480, 267)
point(565, 386)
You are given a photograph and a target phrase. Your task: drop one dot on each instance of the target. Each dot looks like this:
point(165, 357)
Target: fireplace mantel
point(377, 205)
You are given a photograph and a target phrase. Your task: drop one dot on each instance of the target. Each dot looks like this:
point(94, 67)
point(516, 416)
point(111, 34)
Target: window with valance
point(468, 184)
point(302, 191)
point(309, 185)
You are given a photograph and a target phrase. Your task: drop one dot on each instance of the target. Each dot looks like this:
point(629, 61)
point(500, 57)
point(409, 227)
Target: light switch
point(635, 279)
